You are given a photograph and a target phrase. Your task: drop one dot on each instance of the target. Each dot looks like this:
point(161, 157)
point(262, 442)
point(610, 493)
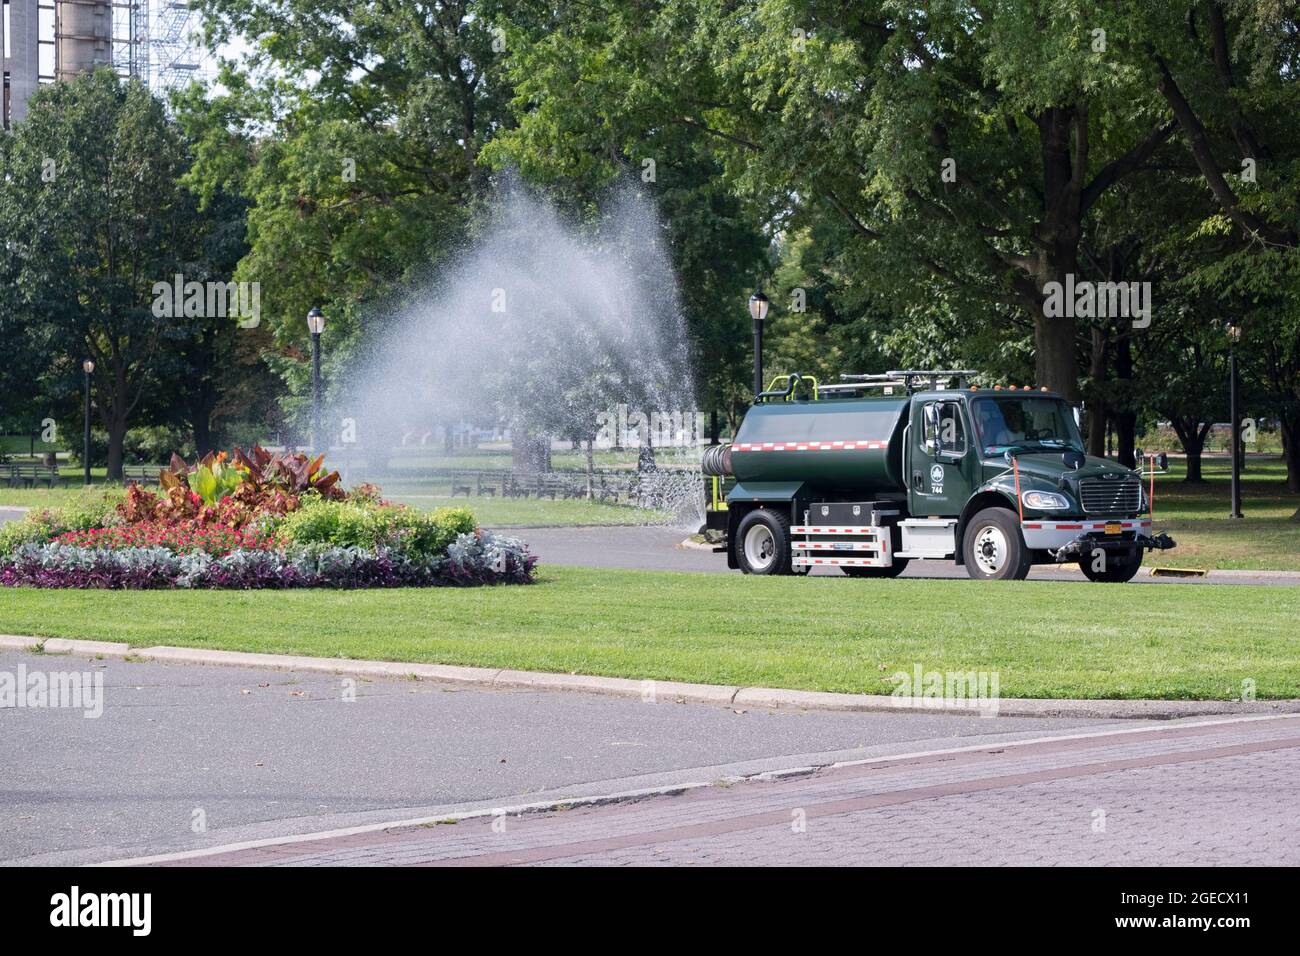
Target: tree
point(95, 216)
point(357, 130)
point(965, 150)
point(1227, 74)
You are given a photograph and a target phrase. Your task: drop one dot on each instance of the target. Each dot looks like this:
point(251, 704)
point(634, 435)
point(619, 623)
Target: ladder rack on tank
point(910, 380)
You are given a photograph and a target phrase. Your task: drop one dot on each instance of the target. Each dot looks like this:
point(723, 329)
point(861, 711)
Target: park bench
point(611, 487)
point(553, 485)
point(460, 483)
point(141, 474)
point(31, 473)
point(489, 483)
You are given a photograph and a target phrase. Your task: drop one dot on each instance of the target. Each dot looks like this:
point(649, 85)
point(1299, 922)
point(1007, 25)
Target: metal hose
point(717, 461)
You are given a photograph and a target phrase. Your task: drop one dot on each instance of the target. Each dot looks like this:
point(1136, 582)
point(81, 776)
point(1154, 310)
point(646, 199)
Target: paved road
point(265, 753)
point(661, 549)
point(1177, 795)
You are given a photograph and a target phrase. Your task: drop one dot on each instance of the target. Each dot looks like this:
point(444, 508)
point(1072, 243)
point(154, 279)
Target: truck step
point(836, 546)
point(801, 562)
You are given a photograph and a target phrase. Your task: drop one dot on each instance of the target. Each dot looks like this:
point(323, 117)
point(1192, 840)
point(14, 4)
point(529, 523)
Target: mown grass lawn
point(494, 512)
point(1196, 516)
point(491, 512)
point(1045, 639)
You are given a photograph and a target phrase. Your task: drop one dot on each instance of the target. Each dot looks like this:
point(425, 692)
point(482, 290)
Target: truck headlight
point(1044, 501)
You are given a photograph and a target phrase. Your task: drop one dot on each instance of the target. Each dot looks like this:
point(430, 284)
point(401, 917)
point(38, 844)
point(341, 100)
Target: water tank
point(83, 36)
point(851, 444)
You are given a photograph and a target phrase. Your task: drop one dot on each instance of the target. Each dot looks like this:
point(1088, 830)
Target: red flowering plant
point(182, 538)
point(234, 491)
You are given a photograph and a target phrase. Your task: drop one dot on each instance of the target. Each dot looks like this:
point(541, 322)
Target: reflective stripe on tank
point(809, 446)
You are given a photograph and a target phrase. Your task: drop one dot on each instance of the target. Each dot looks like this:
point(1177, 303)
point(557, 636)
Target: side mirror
point(1073, 459)
point(931, 412)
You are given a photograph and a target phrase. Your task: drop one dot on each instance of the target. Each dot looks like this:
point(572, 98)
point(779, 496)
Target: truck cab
point(994, 479)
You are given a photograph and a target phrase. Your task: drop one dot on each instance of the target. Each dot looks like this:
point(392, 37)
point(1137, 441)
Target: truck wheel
point(1119, 568)
point(763, 543)
point(893, 571)
point(993, 547)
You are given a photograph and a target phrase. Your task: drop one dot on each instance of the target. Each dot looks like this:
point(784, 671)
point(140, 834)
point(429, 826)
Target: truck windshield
point(1007, 421)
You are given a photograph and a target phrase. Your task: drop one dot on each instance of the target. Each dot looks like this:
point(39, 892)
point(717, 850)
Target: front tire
point(1115, 571)
point(993, 547)
point(763, 543)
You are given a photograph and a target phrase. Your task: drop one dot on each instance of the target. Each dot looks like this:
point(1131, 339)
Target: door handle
point(916, 480)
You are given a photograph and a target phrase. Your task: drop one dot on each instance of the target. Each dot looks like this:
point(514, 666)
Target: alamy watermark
point(1083, 299)
point(623, 427)
point(68, 690)
point(956, 690)
point(133, 911)
point(208, 300)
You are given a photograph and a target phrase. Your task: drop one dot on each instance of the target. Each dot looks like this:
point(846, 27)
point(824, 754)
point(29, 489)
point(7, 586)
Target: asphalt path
point(252, 754)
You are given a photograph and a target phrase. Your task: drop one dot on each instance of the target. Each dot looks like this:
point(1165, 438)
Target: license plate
point(1114, 527)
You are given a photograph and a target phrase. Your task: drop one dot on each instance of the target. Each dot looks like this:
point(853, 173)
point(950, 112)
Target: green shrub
point(81, 512)
point(364, 524)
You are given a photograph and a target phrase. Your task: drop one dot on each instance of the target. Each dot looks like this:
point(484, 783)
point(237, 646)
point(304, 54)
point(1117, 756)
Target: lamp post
point(315, 325)
point(758, 312)
point(88, 366)
point(1234, 400)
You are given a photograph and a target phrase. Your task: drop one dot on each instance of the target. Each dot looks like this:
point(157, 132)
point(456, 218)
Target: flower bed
point(182, 538)
point(254, 520)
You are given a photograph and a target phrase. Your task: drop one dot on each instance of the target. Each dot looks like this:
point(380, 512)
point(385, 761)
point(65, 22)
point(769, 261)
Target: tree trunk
point(1063, 145)
point(1126, 442)
point(591, 471)
point(202, 428)
point(1125, 420)
point(530, 453)
point(1054, 362)
point(1097, 409)
point(1290, 427)
point(1191, 435)
point(116, 441)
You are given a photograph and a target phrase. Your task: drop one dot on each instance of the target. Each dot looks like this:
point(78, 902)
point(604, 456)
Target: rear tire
point(763, 543)
point(1116, 571)
point(993, 547)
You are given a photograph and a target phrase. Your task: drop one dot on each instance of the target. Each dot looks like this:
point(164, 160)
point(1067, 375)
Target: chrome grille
point(1122, 496)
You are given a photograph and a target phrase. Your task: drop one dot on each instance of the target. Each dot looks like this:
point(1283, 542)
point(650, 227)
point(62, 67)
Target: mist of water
point(539, 326)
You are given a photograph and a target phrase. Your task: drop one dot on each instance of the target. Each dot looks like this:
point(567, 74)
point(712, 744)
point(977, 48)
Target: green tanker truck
point(872, 472)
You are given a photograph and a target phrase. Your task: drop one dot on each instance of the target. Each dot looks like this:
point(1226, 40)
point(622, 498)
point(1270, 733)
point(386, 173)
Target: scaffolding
point(160, 42)
point(176, 45)
point(131, 38)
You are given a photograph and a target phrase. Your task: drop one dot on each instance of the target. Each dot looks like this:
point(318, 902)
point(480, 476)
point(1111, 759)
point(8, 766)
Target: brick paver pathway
point(1191, 795)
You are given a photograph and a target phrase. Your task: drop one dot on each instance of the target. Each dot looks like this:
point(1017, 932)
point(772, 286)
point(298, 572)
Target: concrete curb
point(771, 698)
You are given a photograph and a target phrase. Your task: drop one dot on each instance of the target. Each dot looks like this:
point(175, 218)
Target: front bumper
point(1044, 535)
point(1074, 540)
